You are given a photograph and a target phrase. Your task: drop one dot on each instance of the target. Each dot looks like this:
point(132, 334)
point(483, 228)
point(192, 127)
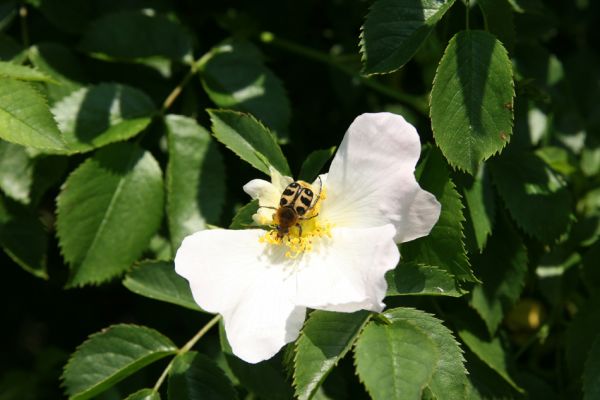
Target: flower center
point(302, 235)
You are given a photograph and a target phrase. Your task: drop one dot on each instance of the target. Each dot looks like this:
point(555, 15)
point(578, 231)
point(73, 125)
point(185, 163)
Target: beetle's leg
point(299, 230)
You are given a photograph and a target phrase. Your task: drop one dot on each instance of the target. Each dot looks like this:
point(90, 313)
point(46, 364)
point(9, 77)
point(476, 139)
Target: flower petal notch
point(327, 245)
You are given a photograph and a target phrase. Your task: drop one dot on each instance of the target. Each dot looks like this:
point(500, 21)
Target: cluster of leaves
point(118, 125)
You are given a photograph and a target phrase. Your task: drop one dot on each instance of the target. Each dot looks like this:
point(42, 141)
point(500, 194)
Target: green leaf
point(195, 376)
point(234, 76)
point(395, 361)
point(443, 247)
point(243, 217)
point(450, 377)
point(249, 139)
point(144, 394)
point(395, 29)
point(591, 372)
point(471, 100)
point(532, 192)
point(481, 208)
point(22, 73)
point(158, 280)
point(502, 269)
point(195, 178)
point(137, 37)
point(16, 171)
point(415, 279)
point(323, 342)
point(109, 356)
point(118, 194)
point(490, 351)
point(266, 380)
point(62, 65)
point(96, 116)
point(25, 118)
point(314, 163)
point(23, 237)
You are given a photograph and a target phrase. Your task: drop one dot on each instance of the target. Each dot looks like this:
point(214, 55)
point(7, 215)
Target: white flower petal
point(279, 181)
point(231, 273)
point(346, 272)
point(371, 181)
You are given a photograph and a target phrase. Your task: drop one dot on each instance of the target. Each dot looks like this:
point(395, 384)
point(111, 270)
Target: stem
point(186, 347)
point(417, 103)
point(24, 30)
point(178, 89)
point(467, 8)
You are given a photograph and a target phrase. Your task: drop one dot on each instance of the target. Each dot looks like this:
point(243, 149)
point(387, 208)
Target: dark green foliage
point(127, 125)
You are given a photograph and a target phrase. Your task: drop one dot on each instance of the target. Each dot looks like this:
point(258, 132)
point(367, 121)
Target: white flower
point(262, 282)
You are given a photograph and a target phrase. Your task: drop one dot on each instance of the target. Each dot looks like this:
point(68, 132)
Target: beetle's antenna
point(320, 189)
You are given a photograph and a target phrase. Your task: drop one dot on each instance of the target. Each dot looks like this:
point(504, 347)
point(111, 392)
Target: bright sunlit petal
point(231, 273)
point(371, 181)
point(346, 273)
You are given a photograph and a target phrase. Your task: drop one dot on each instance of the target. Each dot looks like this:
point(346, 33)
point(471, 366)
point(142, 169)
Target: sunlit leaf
point(450, 377)
point(158, 280)
point(249, 139)
point(395, 361)
point(195, 178)
point(96, 116)
point(22, 73)
point(121, 186)
point(108, 356)
point(324, 341)
point(144, 394)
point(25, 117)
point(471, 100)
point(414, 279)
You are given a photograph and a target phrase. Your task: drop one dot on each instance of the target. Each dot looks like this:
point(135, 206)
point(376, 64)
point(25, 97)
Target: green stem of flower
point(24, 30)
point(418, 103)
point(467, 8)
point(186, 347)
point(170, 99)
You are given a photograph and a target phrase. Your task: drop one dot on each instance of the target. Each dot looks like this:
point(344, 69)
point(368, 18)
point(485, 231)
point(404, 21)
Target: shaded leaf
point(502, 268)
point(120, 186)
point(471, 100)
point(158, 280)
point(581, 336)
point(395, 361)
point(325, 339)
point(10, 50)
point(25, 117)
point(498, 16)
point(395, 29)
point(109, 356)
point(60, 63)
point(234, 76)
point(96, 116)
point(532, 192)
point(314, 163)
point(249, 139)
point(137, 36)
point(266, 379)
point(23, 237)
point(443, 247)
point(591, 372)
point(490, 351)
point(414, 279)
point(243, 217)
point(195, 178)
point(450, 377)
point(480, 203)
point(195, 376)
